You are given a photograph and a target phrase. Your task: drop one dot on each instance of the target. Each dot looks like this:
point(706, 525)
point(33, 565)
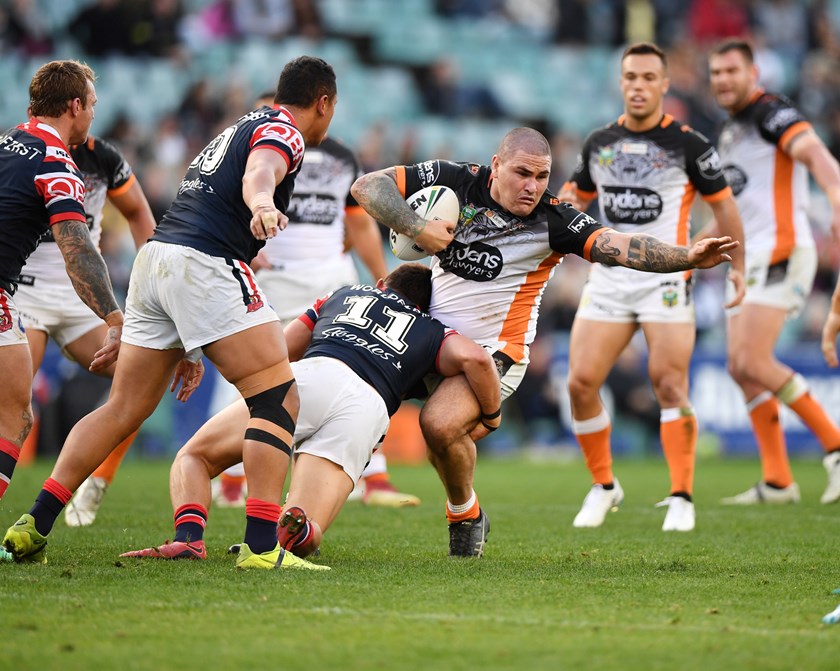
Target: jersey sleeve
point(581, 176)
point(59, 183)
point(351, 203)
point(571, 231)
point(778, 120)
point(118, 171)
point(703, 166)
point(280, 137)
point(412, 178)
point(311, 315)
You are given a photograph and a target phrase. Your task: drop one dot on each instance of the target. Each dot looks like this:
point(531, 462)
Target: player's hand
point(267, 222)
point(436, 236)
point(485, 427)
point(711, 252)
point(568, 194)
point(739, 285)
point(107, 355)
point(189, 374)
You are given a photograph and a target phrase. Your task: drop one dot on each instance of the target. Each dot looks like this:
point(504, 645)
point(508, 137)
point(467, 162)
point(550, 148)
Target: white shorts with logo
point(292, 292)
point(180, 297)
point(342, 418)
point(636, 297)
point(54, 306)
point(11, 326)
point(785, 285)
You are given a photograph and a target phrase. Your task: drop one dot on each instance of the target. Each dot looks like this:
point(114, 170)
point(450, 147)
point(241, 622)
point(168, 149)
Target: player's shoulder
point(687, 133)
point(606, 132)
point(561, 212)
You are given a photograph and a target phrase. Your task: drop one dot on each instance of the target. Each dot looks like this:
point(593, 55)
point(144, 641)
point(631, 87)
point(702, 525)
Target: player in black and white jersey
point(645, 170)
point(50, 307)
point(768, 149)
point(357, 352)
point(488, 277)
point(41, 189)
point(191, 289)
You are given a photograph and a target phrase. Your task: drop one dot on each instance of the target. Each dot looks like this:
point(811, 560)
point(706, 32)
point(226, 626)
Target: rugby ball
point(433, 202)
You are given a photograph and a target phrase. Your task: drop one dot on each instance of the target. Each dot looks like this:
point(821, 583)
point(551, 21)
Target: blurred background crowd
point(422, 79)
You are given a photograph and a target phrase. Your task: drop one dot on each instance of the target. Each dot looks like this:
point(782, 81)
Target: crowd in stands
point(458, 67)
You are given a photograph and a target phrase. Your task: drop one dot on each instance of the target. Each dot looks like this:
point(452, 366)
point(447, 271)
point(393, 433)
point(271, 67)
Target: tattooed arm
point(378, 194)
point(89, 276)
point(644, 252)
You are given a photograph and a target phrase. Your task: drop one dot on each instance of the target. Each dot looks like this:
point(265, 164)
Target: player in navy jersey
point(768, 149)
point(41, 189)
point(488, 283)
point(190, 290)
point(645, 170)
point(357, 352)
point(49, 306)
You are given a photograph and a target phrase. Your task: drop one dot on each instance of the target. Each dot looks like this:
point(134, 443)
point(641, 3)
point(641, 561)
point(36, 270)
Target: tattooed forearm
point(85, 267)
point(648, 253)
point(644, 252)
point(377, 193)
point(603, 251)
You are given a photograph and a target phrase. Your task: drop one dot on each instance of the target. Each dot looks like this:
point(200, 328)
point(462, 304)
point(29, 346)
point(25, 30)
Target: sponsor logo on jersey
point(709, 164)
point(580, 222)
point(373, 348)
point(255, 302)
point(313, 209)
point(428, 172)
point(638, 148)
point(736, 177)
point(780, 119)
point(476, 261)
point(631, 204)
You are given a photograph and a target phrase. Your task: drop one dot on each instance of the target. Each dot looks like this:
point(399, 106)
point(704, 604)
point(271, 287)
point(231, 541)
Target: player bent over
point(361, 350)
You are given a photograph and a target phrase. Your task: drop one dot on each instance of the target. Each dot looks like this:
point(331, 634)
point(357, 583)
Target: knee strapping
point(270, 422)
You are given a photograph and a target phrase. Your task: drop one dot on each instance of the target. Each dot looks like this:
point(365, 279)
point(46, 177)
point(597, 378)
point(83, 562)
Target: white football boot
point(764, 493)
point(831, 462)
point(597, 504)
point(82, 509)
point(680, 515)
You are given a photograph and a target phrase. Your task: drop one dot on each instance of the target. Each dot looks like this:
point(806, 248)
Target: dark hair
point(56, 84)
point(735, 45)
point(304, 80)
point(414, 282)
point(645, 49)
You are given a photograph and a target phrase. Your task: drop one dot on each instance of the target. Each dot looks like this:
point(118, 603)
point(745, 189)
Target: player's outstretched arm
point(365, 240)
point(809, 149)
point(378, 194)
point(263, 172)
point(298, 337)
point(459, 354)
point(649, 254)
point(89, 275)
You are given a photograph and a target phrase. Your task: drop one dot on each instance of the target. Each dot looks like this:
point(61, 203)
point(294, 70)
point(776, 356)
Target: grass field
point(746, 590)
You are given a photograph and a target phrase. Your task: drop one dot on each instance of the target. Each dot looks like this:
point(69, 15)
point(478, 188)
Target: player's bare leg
point(591, 423)
point(15, 410)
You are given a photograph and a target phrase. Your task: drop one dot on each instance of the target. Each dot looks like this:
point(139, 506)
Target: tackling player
point(360, 350)
point(768, 148)
point(488, 276)
point(645, 170)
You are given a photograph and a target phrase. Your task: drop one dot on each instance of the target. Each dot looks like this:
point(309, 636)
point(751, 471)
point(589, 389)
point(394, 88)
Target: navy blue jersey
point(41, 186)
point(382, 337)
point(208, 213)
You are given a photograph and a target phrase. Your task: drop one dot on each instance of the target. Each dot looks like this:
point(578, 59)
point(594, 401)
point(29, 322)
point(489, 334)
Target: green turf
point(746, 590)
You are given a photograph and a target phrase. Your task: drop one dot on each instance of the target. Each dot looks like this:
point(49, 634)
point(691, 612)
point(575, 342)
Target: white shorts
point(636, 298)
point(342, 418)
point(785, 285)
point(293, 292)
point(180, 297)
point(55, 307)
point(11, 326)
